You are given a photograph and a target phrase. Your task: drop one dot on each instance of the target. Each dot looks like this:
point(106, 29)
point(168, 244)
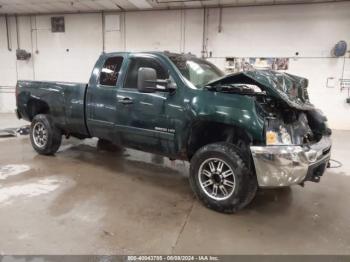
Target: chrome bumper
point(278, 166)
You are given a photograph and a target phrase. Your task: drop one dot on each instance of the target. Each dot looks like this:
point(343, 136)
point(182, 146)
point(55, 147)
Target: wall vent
point(57, 24)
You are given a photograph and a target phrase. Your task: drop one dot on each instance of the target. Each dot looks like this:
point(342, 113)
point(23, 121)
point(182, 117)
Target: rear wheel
point(221, 179)
point(44, 135)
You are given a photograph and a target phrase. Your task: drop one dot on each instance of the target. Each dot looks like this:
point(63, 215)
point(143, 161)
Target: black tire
point(53, 135)
point(106, 145)
point(245, 183)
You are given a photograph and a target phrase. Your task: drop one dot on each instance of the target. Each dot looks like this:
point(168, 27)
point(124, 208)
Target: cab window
point(138, 62)
point(110, 71)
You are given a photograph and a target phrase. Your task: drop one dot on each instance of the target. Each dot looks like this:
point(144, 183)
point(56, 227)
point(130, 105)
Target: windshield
point(198, 71)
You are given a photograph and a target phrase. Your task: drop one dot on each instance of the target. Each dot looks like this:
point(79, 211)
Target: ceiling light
point(141, 4)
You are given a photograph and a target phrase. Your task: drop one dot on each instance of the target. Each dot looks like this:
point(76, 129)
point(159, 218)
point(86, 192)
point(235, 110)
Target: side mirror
point(147, 81)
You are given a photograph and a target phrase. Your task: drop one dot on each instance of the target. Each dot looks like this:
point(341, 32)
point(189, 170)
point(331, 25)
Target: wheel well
point(36, 107)
point(207, 132)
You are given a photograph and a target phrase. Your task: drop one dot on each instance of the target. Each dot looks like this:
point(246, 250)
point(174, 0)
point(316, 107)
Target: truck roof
point(162, 53)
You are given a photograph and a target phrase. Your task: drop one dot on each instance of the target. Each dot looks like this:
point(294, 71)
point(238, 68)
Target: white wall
point(278, 31)
point(281, 31)
point(70, 55)
point(153, 30)
point(8, 70)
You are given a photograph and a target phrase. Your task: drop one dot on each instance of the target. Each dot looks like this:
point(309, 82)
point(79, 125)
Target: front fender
point(230, 109)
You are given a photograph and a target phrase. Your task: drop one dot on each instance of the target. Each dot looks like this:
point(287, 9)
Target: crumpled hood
point(287, 87)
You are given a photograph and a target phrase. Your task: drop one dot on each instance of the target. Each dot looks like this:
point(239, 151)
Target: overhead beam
point(179, 8)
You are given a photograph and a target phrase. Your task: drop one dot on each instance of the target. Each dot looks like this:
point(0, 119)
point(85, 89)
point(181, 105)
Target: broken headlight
point(277, 134)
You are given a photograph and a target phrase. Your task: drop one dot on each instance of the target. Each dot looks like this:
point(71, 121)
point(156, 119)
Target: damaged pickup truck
point(239, 132)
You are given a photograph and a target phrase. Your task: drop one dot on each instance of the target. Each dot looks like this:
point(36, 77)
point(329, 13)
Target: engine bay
point(303, 126)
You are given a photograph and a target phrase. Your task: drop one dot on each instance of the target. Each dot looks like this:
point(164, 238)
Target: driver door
point(141, 119)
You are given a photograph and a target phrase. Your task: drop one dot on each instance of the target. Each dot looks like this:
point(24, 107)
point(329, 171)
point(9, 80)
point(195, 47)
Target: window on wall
point(137, 63)
point(110, 71)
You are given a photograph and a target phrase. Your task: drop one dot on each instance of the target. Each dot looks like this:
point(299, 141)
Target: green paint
point(157, 122)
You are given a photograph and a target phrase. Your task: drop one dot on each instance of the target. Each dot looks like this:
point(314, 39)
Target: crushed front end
point(297, 139)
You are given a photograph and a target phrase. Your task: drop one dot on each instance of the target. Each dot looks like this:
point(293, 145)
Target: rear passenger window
point(136, 63)
point(110, 71)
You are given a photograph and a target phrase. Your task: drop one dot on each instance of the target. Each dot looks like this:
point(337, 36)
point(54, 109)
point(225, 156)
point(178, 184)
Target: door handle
point(125, 100)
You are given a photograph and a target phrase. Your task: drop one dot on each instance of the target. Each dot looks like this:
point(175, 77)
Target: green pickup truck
point(240, 131)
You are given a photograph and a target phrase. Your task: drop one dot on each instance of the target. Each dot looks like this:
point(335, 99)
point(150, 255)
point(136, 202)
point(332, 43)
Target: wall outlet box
point(22, 54)
point(348, 100)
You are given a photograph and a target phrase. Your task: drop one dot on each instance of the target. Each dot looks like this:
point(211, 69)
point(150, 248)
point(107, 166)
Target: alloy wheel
point(217, 179)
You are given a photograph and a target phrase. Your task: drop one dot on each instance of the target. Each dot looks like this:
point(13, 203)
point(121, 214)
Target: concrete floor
point(83, 201)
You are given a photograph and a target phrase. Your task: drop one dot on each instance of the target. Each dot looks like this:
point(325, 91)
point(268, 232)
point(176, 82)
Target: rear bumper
point(278, 166)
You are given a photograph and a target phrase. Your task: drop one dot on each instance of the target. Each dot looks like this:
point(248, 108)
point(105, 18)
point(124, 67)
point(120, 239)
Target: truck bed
point(65, 101)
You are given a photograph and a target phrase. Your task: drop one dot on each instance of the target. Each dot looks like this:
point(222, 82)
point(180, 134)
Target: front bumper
point(278, 166)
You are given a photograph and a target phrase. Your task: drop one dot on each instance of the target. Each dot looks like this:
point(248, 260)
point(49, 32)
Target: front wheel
point(44, 135)
point(221, 179)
